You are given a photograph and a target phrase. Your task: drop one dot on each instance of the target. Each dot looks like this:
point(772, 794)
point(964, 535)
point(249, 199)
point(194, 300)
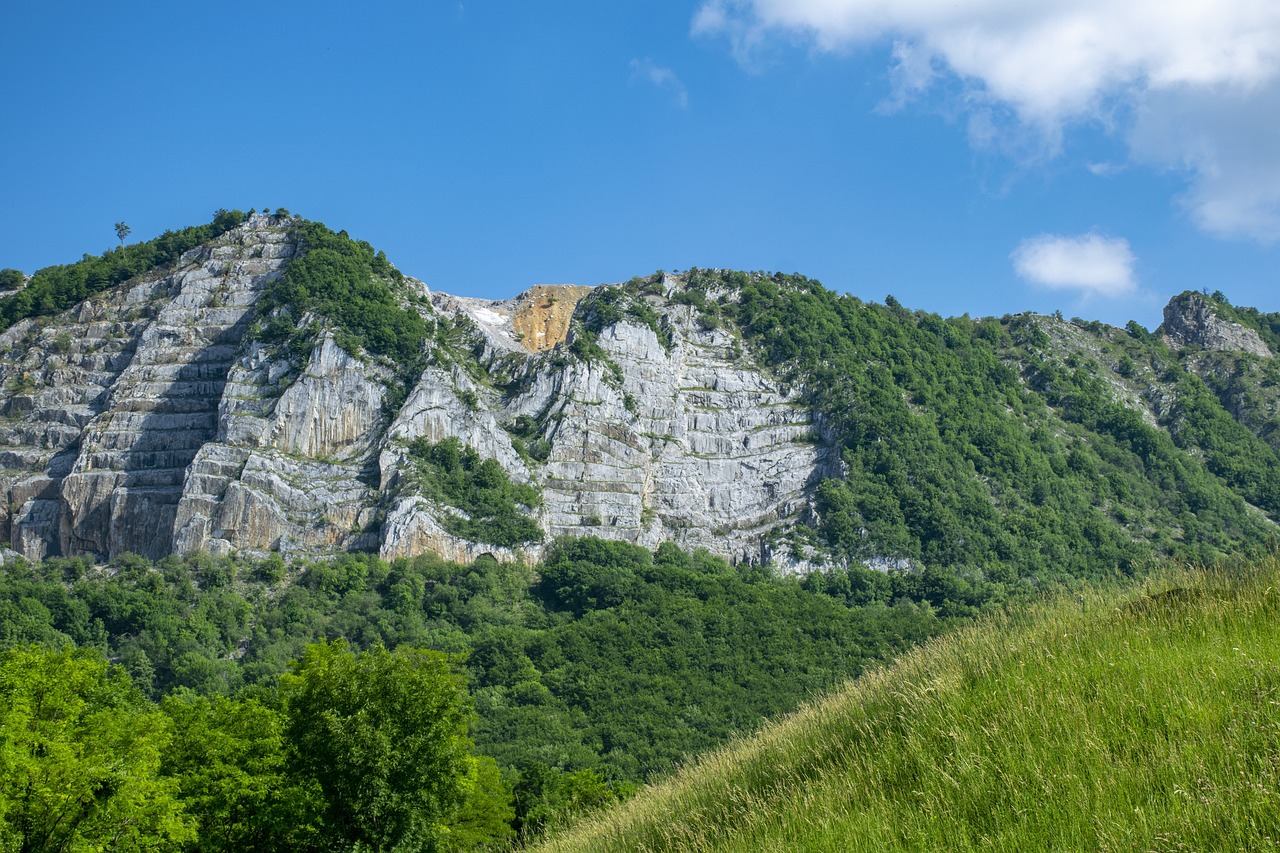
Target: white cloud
point(663, 78)
point(1089, 263)
point(1052, 63)
point(1105, 169)
point(1228, 143)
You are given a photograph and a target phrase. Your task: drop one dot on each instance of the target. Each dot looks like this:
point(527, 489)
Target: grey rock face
point(99, 447)
point(148, 420)
point(1190, 320)
point(709, 453)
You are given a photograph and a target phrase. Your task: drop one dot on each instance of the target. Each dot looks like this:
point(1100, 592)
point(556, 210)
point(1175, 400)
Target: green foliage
point(347, 283)
point(1248, 464)
point(57, 288)
point(80, 758)
point(972, 445)
point(494, 509)
point(485, 819)
point(171, 625)
point(363, 752)
point(1131, 719)
point(230, 760)
point(545, 798)
point(384, 735)
point(605, 666)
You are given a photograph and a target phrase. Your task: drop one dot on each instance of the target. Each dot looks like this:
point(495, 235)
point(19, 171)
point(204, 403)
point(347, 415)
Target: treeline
point(57, 288)
point(603, 667)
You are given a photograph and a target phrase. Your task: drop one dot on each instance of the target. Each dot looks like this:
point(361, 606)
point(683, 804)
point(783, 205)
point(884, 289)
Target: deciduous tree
point(384, 734)
point(80, 758)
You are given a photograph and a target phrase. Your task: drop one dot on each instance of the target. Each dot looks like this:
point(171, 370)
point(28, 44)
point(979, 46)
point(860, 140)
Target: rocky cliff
point(1194, 320)
point(153, 418)
point(281, 388)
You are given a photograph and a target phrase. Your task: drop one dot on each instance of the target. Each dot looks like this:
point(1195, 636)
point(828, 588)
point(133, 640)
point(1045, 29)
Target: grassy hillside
point(1142, 719)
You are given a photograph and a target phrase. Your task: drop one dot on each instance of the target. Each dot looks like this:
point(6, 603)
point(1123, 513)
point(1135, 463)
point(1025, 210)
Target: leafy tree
point(122, 231)
point(230, 760)
point(384, 734)
point(486, 815)
point(80, 758)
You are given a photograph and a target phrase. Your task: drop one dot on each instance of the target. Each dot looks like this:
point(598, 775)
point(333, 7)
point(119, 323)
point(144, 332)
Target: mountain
point(263, 384)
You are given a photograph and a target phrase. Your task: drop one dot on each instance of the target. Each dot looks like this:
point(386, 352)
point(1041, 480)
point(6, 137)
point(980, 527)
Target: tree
point(384, 734)
point(80, 758)
point(229, 758)
point(484, 820)
point(122, 231)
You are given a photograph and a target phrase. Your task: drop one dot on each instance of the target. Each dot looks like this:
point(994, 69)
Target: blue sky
point(978, 156)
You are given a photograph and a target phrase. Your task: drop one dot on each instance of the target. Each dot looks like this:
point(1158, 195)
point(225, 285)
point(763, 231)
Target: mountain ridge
point(230, 402)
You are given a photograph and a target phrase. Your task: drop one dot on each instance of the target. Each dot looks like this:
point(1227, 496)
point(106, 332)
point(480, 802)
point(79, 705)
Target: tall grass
point(1144, 719)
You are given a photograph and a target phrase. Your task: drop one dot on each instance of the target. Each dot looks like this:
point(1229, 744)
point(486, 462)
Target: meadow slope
point(1133, 719)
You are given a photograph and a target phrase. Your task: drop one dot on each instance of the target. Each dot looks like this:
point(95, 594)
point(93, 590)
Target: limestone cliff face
point(150, 419)
point(1191, 320)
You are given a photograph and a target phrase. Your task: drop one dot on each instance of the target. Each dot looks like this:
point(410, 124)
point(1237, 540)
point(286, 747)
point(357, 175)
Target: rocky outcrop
point(152, 419)
point(692, 444)
point(1192, 320)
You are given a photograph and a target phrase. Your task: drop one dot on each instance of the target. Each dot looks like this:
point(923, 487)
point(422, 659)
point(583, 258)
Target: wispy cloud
point(1091, 264)
point(1105, 168)
point(647, 71)
point(1192, 72)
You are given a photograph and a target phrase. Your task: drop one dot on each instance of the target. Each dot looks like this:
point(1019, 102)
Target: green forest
point(245, 697)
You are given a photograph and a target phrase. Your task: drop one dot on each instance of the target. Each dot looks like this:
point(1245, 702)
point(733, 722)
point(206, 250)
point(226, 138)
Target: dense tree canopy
point(605, 665)
point(80, 755)
point(384, 735)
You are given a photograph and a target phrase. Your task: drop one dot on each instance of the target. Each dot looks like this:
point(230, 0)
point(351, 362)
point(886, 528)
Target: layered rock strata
point(151, 420)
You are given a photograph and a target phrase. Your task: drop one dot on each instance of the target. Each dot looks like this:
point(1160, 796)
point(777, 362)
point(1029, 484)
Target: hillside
point(1125, 720)
point(639, 518)
point(263, 384)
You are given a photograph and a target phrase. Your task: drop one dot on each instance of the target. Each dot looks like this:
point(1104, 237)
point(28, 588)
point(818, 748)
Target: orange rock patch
point(543, 314)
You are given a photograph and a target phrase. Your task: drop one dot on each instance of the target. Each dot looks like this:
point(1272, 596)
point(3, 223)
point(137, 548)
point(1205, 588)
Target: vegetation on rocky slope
point(56, 288)
point(493, 509)
point(1015, 447)
point(346, 282)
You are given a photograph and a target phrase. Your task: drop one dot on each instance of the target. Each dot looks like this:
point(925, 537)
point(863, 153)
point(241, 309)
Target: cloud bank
point(1091, 264)
point(1192, 73)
